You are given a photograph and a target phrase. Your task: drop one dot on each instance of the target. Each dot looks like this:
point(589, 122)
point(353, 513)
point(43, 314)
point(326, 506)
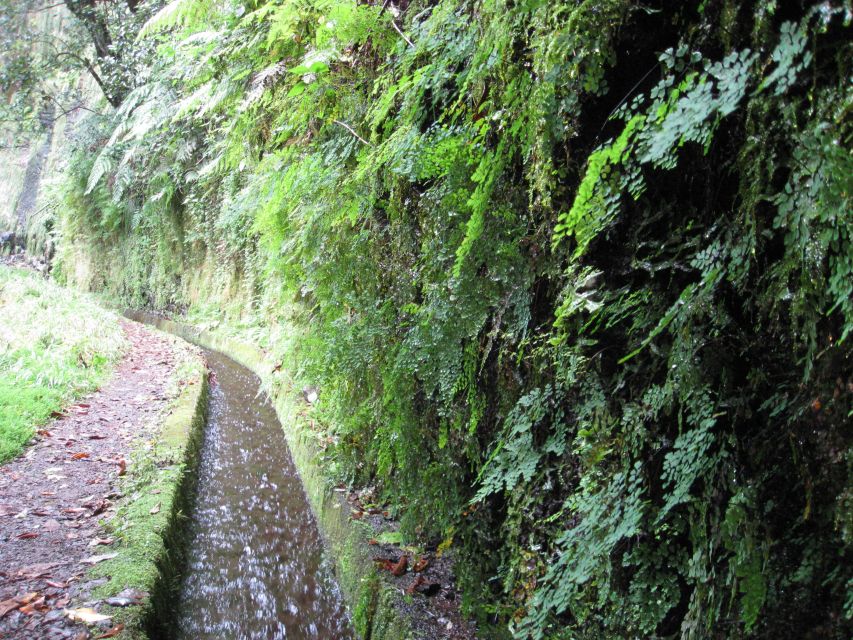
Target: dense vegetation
point(575, 280)
point(55, 345)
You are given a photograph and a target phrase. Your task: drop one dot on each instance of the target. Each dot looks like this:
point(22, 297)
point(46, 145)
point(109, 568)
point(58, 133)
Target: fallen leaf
point(44, 433)
point(56, 585)
point(103, 541)
point(155, 509)
point(28, 598)
point(97, 436)
point(8, 605)
point(29, 535)
point(36, 570)
point(86, 615)
point(373, 541)
point(8, 510)
point(96, 559)
point(400, 568)
point(33, 607)
point(133, 594)
point(122, 467)
point(420, 565)
point(384, 563)
point(396, 567)
point(51, 525)
point(112, 633)
point(98, 506)
point(412, 588)
point(80, 456)
point(390, 537)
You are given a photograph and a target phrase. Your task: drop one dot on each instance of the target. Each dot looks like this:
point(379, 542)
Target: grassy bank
point(55, 345)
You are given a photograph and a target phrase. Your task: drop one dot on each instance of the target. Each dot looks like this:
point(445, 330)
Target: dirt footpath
point(55, 495)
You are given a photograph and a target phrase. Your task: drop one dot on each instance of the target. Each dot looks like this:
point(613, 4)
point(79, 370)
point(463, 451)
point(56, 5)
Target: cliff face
point(26, 204)
point(573, 280)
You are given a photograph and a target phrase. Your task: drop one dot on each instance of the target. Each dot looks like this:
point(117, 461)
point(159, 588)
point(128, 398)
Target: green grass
point(55, 345)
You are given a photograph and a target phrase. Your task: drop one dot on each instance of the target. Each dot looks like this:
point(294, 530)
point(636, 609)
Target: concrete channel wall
point(376, 607)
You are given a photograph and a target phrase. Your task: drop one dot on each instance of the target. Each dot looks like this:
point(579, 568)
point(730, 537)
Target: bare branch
point(352, 131)
point(403, 35)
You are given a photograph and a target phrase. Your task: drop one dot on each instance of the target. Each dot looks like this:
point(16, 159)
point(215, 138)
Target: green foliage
point(579, 306)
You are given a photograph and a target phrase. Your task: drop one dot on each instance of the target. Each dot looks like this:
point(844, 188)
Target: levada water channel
point(255, 568)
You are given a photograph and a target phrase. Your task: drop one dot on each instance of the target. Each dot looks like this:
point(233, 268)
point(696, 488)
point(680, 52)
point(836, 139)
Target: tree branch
point(352, 131)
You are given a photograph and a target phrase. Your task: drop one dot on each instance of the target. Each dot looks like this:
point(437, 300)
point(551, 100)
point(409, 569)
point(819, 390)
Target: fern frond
point(185, 13)
point(103, 165)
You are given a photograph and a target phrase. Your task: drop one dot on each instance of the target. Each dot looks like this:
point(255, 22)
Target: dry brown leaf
point(86, 615)
point(8, 605)
point(400, 568)
point(420, 565)
point(122, 467)
point(101, 541)
point(417, 582)
point(80, 456)
point(40, 570)
point(155, 509)
point(33, 607)
point(29, 535)
point(112, 633)
point(96, 559)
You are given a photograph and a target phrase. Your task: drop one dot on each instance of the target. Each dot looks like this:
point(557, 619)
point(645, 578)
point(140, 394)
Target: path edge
point(377, 608)
point(179, 439)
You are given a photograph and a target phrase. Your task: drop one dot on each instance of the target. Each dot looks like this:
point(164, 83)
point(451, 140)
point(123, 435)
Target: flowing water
point(256, 569)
